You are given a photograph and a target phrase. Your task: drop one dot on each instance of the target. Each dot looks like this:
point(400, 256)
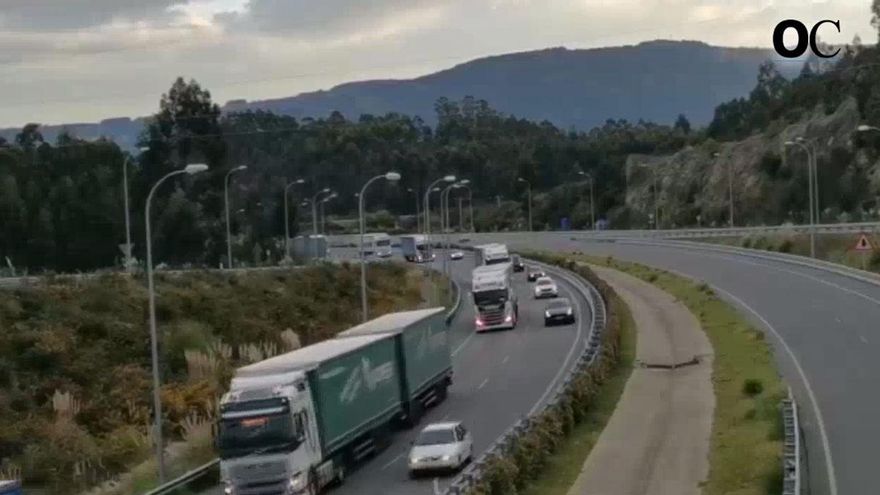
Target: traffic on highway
point(336, 416)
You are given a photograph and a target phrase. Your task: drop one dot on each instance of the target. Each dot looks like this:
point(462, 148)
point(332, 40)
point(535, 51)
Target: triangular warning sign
point(864, 244)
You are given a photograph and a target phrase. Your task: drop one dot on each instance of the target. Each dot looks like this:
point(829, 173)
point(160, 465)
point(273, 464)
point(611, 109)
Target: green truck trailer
point(294, 423)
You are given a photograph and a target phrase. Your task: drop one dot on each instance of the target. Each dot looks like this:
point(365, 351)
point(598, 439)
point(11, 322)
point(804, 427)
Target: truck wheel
point(312, 488)
point(340, 475)
point(415, 414)
point(442, 392)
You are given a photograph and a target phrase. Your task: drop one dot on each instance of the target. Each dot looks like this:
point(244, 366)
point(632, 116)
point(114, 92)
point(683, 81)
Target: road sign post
point(864, 246)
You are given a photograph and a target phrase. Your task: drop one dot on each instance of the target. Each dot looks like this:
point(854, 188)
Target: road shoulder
point(657, 441)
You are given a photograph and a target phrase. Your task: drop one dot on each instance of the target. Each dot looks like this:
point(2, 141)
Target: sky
point(65, 61)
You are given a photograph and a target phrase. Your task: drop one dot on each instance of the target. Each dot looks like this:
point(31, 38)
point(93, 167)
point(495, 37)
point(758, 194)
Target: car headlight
point(546, 314)
point(297, 482)
point(229, 488)
point(415, 460)
point(446, 457)
point(568, 312)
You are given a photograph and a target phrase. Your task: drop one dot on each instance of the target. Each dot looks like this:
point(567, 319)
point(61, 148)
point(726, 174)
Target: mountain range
point(653, 81)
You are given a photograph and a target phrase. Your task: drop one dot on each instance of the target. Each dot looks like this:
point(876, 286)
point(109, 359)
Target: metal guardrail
point(471, 476)
point(205, 474)
point(791, 452)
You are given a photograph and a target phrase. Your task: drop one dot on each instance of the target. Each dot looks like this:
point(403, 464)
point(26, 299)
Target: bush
point(753, 387)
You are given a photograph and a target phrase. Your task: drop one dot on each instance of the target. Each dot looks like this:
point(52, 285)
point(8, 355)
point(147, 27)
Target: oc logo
point(804, 38)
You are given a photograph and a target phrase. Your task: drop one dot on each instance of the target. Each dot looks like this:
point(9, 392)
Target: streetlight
point(191, 169)
point(314, 241)
point(328, 198)
point(226, 202)
point(390, 177)
point(418, 213)
point(464, 183)
point(427, 206)
point(807, 150)
point(592, 208)
point(128, 247)
point(287, 220)
point(470, 204)
point(520, 179)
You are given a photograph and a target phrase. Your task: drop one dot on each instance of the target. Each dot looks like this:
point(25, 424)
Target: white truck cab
point(495, 300)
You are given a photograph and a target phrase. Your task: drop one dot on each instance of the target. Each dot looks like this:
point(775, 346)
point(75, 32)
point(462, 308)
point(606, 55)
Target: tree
point(875, 15)
point(29, 137)
point(682, 124)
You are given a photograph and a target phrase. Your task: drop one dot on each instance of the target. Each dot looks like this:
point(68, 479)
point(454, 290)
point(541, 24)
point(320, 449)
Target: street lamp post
point(226, 202)
point(128, 247)
point(314, 241)
point(287, 219)
point(810, 177)
point(529, 184)
point(323, 218)
point(427, 206)
point(390, 177)
point(418, 213)
point(466, 184)
point(190, 169)
point(592, 207)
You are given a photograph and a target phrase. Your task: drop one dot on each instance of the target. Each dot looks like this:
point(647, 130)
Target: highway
point(824, 329)
point(499, 377)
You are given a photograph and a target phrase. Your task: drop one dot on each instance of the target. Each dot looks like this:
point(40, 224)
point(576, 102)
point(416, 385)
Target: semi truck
point(495, 301)
point(310, 247)
point(295, 423)
point(491, 254)
point(378, 244)
point(415, 248)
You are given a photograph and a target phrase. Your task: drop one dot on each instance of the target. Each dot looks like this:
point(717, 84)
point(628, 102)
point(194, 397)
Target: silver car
point(441, 446)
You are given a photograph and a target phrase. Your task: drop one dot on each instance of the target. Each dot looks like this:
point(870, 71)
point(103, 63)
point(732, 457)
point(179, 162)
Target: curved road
point(825, 329)
point(499, 378)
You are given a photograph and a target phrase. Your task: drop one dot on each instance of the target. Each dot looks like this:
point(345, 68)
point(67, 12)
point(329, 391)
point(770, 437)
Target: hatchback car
point(545, 287)
point(441, 446)
point(535, 274)
point(456, 255)
point(559, 312)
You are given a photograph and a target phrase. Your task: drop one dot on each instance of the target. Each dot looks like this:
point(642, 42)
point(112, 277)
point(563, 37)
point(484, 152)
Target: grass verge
point(564, 465)
point(746, 446)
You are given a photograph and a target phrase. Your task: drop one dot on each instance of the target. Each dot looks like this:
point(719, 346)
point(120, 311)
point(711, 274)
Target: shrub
point(753, 387)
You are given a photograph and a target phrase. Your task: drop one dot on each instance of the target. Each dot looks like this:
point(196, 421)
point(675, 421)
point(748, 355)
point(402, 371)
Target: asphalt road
point(825, 329)
point(499, 378)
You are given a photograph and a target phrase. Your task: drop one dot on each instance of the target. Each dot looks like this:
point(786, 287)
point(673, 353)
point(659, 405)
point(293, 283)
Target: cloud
point(103, 58)
point(78, 14)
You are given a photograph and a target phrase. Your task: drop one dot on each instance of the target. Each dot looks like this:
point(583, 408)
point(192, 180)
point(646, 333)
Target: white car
point(545, 287)
point(383, 254)
point(456, 255)
point(441, 446)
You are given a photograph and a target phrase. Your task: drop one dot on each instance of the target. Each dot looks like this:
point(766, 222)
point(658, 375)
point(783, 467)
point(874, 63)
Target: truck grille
point(492, 316)
point(266, 478)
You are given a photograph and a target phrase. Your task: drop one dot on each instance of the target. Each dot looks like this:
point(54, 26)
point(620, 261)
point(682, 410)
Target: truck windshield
point(487, 297)
point(244, 435)
point(497, 261)
point(384, 243)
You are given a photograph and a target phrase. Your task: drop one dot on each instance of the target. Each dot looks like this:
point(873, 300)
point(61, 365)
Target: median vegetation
point(75, 361)
point(583, 404)
point(747, 431)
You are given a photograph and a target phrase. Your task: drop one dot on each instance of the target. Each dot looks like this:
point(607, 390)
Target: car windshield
point(436, 437)
point(545, 281)
point(560, 304)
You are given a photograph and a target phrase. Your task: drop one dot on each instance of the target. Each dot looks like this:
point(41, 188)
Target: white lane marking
point(463, 343)
point(505, 359)
point(392, 461)
point(575, 297)
point(437, 487)
point(483, 384)
point(826, 446)
point(799, 274)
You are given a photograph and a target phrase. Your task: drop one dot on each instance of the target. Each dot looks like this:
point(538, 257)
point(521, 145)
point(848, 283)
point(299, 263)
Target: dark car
point(518, 265)
point(559, 312)
point(535, 274)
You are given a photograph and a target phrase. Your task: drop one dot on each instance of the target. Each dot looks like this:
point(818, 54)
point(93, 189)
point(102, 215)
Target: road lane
point(499, 377)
